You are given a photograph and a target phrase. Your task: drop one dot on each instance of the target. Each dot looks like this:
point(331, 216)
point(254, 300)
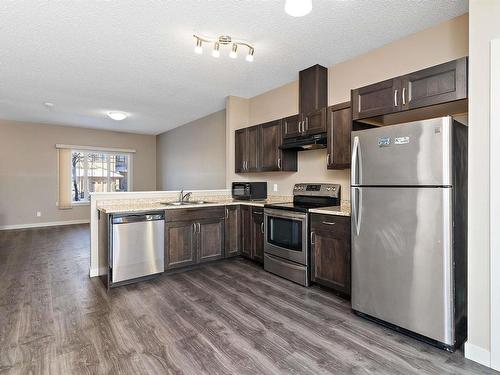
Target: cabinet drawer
point(340, 226)
point(189, 214)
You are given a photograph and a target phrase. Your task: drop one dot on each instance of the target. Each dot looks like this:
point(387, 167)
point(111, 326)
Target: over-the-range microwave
point(249, 190)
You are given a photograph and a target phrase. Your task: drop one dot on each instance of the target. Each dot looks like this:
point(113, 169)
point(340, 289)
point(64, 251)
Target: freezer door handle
point(356, 209)
point(355, 161)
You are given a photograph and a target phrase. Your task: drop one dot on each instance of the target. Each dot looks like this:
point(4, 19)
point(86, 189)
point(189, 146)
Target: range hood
point(309, 142)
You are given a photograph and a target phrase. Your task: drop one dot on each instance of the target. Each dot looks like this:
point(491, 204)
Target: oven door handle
point(283, 215)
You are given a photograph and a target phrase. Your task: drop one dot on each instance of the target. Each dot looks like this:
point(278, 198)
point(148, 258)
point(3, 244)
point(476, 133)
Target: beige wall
point(28, 168)
point(484, 26)
point(441, 43)
point(193, 156)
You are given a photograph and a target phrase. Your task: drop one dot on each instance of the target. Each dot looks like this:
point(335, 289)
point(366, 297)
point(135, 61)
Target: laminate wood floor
point(229, 317)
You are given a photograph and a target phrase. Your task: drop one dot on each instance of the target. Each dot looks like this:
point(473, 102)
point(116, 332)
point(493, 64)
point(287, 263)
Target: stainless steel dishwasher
point(137, 246)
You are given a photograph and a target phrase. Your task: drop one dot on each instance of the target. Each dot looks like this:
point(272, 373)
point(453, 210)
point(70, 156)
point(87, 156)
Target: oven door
point(286, 235)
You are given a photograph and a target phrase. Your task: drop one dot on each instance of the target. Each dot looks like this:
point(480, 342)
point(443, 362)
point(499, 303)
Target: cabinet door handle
point(279, 163)
point(199, 227)
point(227, 213)
point(396, 98)
point(306, 126)
point(194, 227)
point(262, 227)
point(403, 95)
point(258, 213)
point(327, 159)
point(312, 238)
point(301, 127)
point(329, 223)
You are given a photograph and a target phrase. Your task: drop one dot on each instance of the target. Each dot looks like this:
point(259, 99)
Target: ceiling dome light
point(198, 49)
point(216, 52)
point(117, 116)
point(233, 54)
point(298, 8)
point(249, 57)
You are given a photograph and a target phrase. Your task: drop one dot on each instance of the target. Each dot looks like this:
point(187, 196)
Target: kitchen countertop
point(143, 206)
point(343, 210)
point(124, 207)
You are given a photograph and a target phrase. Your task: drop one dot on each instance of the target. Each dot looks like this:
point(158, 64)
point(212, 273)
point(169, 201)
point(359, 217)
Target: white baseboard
point(477, 354)
point(94, 272)
point(47, 224)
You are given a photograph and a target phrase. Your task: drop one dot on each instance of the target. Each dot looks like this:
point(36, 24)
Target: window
point(97, 171)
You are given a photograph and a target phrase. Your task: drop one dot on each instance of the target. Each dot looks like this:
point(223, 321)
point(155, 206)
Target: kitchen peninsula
point(222, 221)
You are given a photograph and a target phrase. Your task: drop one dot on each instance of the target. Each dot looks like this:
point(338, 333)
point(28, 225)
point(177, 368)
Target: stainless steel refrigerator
point(409, 228)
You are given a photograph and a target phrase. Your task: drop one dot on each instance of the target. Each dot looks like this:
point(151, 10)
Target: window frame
point(87, 151)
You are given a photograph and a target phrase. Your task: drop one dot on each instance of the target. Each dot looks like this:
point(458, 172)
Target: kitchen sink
point(184, 203)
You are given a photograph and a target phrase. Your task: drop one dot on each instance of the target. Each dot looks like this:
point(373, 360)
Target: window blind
point(64, 178)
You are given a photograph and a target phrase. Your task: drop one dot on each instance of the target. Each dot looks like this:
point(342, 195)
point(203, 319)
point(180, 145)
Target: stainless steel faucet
point(184, 197)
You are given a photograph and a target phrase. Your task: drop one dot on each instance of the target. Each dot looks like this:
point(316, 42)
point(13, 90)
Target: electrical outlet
point(275, 187)
point(38, 214)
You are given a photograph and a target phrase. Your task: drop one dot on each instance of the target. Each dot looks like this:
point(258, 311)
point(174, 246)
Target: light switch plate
point(275, 187)
point(38, 214)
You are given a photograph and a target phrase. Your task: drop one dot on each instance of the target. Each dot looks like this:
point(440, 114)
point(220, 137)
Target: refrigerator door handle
point(356, 208)
point(355, 161)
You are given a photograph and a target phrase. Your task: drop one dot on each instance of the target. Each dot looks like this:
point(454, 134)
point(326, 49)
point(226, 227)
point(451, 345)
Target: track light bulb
point(233, 54)
point(249, 57)
point(198, 49)
point(216, 52)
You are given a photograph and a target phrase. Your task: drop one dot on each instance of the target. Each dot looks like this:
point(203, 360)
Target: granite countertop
point(146, 206)
point(343, 210)
point(142, 206)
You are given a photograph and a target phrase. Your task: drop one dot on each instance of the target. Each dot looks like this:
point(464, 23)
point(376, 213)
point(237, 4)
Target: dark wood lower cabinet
point(331, 252)
point(258, 234)
point(193, 236)
point(210, 239)
point(252, 233)
point(180, 244)
point(246, 231)
point(232, 232)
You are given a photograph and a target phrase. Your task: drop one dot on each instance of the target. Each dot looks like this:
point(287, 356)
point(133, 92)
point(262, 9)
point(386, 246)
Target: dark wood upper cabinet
point(240, 155)
point(313, 98)
point(315, 122)
point(339, 127)
point(427, 87)
point(439, 84)
point(331, 252)
point(292, 126)
point(313, 89)
point(253, 154)
point(271, 156)
point(232, 234)
point(247, 149)
point(377, 99)
point(271, 137)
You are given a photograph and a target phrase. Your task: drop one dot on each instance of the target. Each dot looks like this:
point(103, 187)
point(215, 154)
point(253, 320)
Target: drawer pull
point(328, 223)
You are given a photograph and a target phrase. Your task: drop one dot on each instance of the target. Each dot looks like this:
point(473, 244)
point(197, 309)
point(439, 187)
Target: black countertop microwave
point(249, 190)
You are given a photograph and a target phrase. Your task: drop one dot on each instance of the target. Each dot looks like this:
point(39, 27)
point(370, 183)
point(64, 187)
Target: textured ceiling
point(89, 57)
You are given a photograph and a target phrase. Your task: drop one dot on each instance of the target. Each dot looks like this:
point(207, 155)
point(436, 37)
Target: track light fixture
point(223, 40)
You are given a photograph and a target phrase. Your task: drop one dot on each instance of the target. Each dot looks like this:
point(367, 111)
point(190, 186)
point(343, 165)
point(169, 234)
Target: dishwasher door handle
point(137, 218)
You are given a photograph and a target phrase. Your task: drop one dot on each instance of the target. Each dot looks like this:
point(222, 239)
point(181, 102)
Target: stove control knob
point(329, 188)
